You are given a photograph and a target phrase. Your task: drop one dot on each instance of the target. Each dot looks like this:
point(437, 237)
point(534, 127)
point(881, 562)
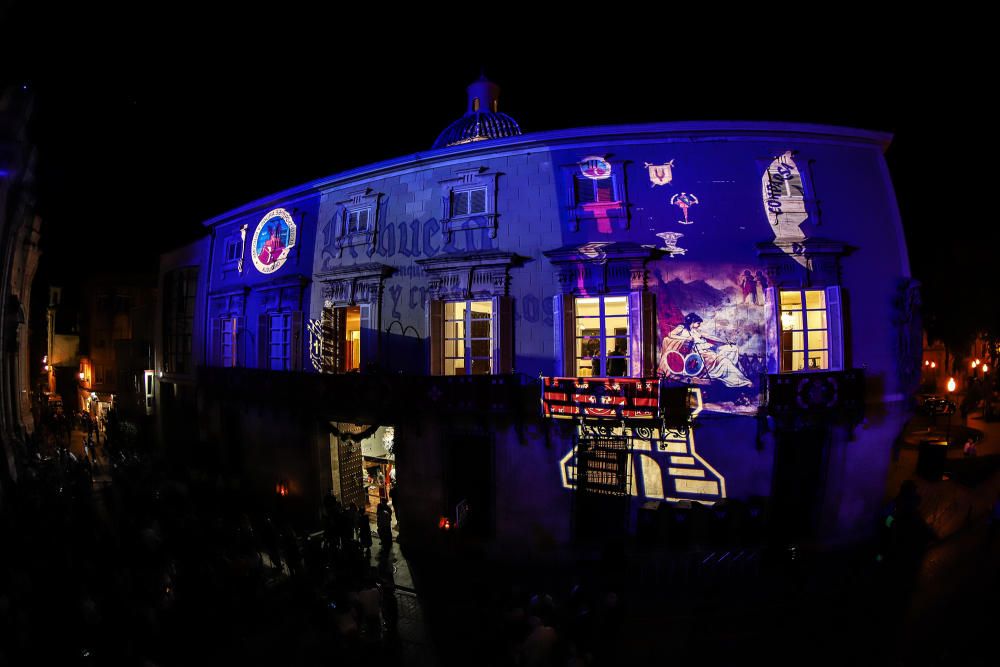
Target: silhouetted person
point(383, 521)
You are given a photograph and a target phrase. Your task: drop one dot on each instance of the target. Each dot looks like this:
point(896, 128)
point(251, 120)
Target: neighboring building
point(19, 235)
point(694, 255)
point(62, 349)
point(181, 313)
point(119, 315)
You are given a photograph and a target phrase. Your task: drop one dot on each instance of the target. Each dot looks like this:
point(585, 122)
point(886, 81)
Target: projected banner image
point(711, 331)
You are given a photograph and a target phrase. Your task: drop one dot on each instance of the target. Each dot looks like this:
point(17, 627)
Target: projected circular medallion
point(693, 364)
point(675, 362)
point(273, 238)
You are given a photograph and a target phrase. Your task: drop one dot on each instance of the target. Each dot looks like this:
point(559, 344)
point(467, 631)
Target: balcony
point(374, 398)
point(822, 396)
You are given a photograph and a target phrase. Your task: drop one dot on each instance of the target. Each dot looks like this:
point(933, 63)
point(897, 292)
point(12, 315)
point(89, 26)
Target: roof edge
point(693, 129)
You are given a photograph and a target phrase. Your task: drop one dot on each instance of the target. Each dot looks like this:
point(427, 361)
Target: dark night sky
point(141, 143)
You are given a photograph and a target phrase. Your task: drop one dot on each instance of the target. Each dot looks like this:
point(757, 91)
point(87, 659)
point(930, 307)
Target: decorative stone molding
point(282, 295)
point(469, 275)
point(358, 200)
point(228, 304)
point(820, 268)
point(600, 268)
point(351, 285)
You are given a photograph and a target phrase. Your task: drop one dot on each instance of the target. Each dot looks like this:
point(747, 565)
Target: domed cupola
point(482, 120)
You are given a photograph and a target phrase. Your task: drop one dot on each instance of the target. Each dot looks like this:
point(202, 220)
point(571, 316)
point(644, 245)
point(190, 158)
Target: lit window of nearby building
point(468, 338)
point(602, 336)
point(807, 342)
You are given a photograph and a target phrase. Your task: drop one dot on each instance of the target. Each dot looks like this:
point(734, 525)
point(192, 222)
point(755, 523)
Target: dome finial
point(483, 95)
point(482, 119)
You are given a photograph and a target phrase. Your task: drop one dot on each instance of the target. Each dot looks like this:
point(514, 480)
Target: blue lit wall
point(708, 212)
point(238, 287)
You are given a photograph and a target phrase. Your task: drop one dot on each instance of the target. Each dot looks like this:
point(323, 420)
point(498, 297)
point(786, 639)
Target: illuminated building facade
point(509, 304)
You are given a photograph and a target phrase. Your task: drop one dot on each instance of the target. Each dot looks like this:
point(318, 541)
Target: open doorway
point(352, 338)
point(363, 467)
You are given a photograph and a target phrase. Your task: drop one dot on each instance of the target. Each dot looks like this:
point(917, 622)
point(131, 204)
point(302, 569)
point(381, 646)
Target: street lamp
point(947, 433)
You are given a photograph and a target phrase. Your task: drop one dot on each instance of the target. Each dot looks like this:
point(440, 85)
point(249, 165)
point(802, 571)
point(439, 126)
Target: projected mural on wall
point(684, 201)
point(711, 331)
point(273, 238)
point(660, 174)
point(785, 203)
point(665, 463)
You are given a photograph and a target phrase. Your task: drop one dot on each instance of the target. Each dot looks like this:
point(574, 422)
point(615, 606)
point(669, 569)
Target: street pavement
point(952, 613)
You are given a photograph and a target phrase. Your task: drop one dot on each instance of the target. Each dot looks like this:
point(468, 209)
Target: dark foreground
point(138, 564)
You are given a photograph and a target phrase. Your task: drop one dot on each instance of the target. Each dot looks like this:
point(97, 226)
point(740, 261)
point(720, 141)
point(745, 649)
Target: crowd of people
point(155, 568)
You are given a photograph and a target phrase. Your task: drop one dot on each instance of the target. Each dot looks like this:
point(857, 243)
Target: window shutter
point(564, 343)
point(836, 330)
point(296, 334)
point(605, 190)
point(239, 340)
point(772, 331)
point(642, 334)
point(338, 338)
point(435, 332)
point(503, 335)
point(263, 329)
point(369, 334)
point(216, 358)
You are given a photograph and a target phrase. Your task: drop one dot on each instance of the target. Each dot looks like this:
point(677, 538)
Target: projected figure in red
point(684, 201)
point(271, 250)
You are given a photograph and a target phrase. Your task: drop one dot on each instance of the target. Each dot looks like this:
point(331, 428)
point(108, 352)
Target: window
point(343, 325)
point(591, 191)
point(470, 316)
point(352, 339)
point(468, 337)
point(234, 249)
point(354, 225)
point(104, 375)
point(468, 202)
point(810, 330)
point(279, 340)
point(121, 327)
point(602, 336)
point(179, 289)
point(595, 193)
point(357, 220)
point(226, 334)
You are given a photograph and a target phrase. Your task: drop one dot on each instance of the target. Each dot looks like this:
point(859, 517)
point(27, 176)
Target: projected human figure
point(684, 201)
point(718, 357)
